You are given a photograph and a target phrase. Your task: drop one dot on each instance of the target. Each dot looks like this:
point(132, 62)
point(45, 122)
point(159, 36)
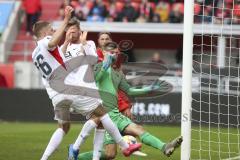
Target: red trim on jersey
point(100, 55)
point(55, 53)
point(123, 101)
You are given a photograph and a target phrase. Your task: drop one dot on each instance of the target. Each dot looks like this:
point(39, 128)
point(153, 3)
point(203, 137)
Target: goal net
point(215, 109)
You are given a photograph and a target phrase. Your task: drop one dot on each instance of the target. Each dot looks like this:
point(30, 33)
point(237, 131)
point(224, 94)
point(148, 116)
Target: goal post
point(187, 79)
point(210, 122)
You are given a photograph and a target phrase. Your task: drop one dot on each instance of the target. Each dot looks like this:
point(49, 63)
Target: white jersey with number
point(77, 76)
point(47, 60)
point(81, 104)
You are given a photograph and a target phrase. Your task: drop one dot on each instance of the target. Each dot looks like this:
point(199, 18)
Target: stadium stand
point(111, 13)
point(121, 10)
point(23, 45)
point(126, 10)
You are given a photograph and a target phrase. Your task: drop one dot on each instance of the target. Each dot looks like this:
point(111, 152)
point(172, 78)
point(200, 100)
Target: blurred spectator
point(128, 13)
point(95, 17)
point(176, 15)
point(163, 9)
point(85, 7)
point(207, 14)
point(33, 10)
point(156, 18)
point(74, 3)
point(197, 13)
point(236, 14)
point(3, 82)
point(156, 58)
point(156, 11)
point(100, 8)
point(146, 9)
point(222, 15)
point(113, 11)
point(79, 15)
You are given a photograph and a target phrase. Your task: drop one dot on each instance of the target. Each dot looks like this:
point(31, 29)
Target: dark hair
point(73, 22)
point(110, 46)
point(107, 33)
point(38, 27)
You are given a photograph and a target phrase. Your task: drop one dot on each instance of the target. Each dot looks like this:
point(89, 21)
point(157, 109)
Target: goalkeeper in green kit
point(110, 80)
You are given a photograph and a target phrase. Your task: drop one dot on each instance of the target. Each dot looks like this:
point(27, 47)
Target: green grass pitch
point(27, 141)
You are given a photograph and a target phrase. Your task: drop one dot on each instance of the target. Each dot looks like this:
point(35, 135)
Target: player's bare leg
point(110, 151)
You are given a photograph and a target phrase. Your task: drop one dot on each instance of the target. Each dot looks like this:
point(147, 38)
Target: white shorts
point(80, 104)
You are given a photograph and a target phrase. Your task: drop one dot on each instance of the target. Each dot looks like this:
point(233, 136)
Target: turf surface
point(27, 141)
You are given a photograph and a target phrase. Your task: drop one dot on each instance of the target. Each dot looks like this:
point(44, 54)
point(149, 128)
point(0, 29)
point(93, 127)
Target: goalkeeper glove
point(154, 87)
point(107, 62)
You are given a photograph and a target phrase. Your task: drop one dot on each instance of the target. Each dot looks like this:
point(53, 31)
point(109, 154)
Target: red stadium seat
point(119, 6)
point(236, 10)
point(7, 72)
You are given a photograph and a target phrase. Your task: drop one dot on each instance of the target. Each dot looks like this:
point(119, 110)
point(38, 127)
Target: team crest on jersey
point(68, 54)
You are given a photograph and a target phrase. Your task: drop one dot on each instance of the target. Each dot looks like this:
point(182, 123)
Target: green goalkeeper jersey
point(108, 82)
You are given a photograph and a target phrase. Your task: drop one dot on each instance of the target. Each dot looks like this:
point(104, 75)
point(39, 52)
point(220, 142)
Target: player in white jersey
point(73, 48)
point(48, 57)
point(75, 45)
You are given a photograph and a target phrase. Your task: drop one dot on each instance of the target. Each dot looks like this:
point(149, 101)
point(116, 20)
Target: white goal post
point(210, 123)
point(187, 80)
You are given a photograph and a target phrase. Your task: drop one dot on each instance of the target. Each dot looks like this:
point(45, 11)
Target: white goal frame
point(187, 79)
point(189, 29)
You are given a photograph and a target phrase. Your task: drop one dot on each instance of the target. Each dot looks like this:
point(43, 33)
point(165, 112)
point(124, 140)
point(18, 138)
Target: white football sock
point(113, 131)
point(86, 129)
point(53, 144)
point(98, 143)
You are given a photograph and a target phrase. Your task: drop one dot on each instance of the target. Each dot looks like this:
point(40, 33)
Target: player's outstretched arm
point(132, 91)
point(57, 36)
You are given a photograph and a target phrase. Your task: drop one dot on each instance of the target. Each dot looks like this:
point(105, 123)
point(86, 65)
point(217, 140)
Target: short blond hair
point(38, 27)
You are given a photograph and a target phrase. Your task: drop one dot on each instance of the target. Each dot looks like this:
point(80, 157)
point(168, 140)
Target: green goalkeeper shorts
point(120, 121)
